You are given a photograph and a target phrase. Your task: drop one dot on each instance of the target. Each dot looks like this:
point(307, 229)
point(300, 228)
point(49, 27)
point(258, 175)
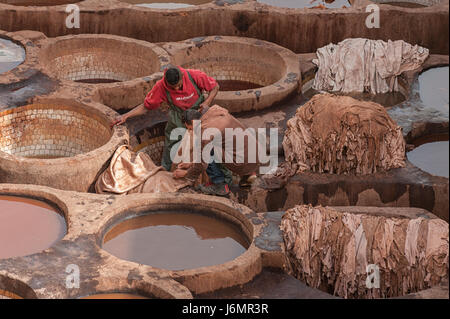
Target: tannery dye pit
point(434, 88)
point(59, 143)
point(11, 55)
point(175, 241)
point(51, 131)
point(87, 59)
point(28, 226)
point(432, 157)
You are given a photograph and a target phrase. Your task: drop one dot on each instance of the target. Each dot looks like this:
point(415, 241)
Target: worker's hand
point(179, 173)
point(119, 120)
point(184, 165)
point(203, 107)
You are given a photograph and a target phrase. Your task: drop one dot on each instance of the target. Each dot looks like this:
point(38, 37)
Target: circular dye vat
point(431, 155)
point(100, 59)
point(11, 55)
point(252, 74)
point(175, 241)
point(166, 4)
point(28, 226)
point(434, 88)
point(38, 3)
point(150, 140)
point(297, 4)
point(52, 131)
point(233, 64)
point(115, 296)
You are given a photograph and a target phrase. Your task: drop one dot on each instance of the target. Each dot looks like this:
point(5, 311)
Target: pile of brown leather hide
point(339, 134)
point(331, 250)
point(129, 173)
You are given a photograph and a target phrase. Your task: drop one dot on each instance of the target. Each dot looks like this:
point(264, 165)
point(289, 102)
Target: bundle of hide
point(130, 172)
point(342, 253)
point(363, 65)
point(339, 134)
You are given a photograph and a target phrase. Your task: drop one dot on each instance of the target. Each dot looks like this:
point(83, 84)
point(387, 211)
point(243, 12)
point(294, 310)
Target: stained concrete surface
point(269, 284)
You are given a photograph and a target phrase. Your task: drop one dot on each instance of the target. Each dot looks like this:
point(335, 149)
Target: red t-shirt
point(184, 98)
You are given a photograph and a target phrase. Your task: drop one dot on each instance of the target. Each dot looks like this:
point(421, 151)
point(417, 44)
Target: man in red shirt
point(181, 89)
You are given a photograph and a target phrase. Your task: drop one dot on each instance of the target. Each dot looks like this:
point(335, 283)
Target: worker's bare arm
point(207, 103)
point(138, 110)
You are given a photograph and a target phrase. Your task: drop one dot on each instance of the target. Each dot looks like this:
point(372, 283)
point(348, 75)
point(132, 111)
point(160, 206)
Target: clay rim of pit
point(151, 289)
point(198, 280)
point(270, 94)
point(31, 61)
point(103, 112)
point(160, 53)
point(15, 288)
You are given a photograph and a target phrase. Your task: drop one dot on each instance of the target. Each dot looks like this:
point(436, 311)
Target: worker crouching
point(216, 142)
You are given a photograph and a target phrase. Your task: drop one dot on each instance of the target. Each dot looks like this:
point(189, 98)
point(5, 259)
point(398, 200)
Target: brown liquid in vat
point(232, 85)
point(175, 241)
point(27, 226)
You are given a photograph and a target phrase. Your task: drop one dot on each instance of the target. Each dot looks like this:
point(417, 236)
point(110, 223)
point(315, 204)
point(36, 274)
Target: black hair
point(172, 76)
point(189, 115)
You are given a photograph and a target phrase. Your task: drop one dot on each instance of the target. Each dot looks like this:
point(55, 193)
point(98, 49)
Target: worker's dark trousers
point(218, 173)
